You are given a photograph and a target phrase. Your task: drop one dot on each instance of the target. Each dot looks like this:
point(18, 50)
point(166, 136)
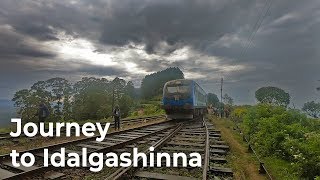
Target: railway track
point(112, 141)
point(193, 136)
point(124, 122)
point(170, 137)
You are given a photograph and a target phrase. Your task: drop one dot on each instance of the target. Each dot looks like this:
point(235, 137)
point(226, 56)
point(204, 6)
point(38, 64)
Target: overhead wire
point(256, 27)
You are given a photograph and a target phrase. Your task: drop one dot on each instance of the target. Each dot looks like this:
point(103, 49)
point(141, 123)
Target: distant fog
point(7, 111)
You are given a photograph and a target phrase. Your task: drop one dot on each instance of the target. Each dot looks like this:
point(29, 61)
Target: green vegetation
point(152, 84)
point(243, 163)
point(273, 95)
point(213, 100)
point(150, 107)
point(286, 138)
point(4, 130)
point(92, 99)
point(89, 98)
point(227, 100)
point(312, 109)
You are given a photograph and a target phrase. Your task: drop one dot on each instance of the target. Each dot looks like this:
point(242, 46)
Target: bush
point(285, 134)
point(148, 108)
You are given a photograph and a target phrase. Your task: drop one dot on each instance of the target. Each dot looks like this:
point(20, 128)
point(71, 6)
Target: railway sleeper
point(217, 142)
point(217, 151)
point(53, 175)
point(185, 144)
point(152, 175)
point(90, 146)
point(221, 170)
point(22, 168)
point(219, 160)
point(179, 139)
point(214, 135)
point(195, 137)
point(180, 149)
point(224, 147)
point(179, 163)
point(103, 143)
point(5, 173)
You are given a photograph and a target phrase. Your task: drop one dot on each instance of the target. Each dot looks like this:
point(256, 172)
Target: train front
point(178, 99)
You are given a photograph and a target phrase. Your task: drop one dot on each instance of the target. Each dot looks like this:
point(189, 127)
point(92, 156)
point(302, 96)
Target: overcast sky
point(41, 39)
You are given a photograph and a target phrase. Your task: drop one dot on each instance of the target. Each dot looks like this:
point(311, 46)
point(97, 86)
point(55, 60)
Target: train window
point(178, 89)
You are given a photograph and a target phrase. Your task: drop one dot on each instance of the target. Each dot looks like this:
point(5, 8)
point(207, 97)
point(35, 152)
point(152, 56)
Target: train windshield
point(184, 89)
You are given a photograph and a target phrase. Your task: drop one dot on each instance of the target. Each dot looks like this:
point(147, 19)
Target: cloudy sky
point(206, 39)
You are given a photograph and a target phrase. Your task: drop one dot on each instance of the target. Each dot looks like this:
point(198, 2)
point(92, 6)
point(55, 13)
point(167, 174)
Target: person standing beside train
point(116, 116)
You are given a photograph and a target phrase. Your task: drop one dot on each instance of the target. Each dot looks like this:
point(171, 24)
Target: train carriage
point(184, 99)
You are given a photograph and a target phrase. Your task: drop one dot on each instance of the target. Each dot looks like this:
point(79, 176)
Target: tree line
point(90, 98)
point(277, 96)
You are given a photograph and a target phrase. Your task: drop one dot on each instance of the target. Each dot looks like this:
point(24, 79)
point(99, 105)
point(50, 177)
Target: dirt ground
point(243, 163)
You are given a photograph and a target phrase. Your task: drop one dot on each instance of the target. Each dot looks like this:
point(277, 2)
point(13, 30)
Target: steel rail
point(109, 148)
point(207, 153)
point(6, 136)
point(57, 145)
point(120, 172)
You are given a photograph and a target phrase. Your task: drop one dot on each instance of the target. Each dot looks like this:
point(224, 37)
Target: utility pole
point(221, 103)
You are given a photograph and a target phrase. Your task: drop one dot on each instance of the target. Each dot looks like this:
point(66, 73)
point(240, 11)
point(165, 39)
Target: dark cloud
point(174, 22)
point(15, 46)
point(151, 33)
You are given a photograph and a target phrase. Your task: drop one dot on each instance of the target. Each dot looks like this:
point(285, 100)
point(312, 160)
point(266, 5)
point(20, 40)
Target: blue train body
point(183, 99)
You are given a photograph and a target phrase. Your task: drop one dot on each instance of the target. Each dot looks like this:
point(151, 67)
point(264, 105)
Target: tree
point(89, 98)
point(119, 90)
point(152, 84)
point(61, 93)
point(92, 98)
point(227, 100)
point(213, 99)
point(23, 101)
point(273, 95)
point(130, 90)
point(312, 109)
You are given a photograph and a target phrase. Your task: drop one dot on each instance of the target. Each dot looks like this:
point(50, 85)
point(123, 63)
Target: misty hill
point(6, 103)
point(7, 111)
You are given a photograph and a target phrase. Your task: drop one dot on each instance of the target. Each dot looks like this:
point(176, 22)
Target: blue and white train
point(184, 99)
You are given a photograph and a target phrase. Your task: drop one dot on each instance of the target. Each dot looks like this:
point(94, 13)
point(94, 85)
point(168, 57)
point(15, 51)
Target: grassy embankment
point(243, 163)
point(286, 140)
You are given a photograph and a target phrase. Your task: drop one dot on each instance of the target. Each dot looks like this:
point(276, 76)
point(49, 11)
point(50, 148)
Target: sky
point(206, 39)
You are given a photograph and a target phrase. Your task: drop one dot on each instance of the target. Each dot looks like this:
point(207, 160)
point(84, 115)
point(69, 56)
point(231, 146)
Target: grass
point(280, 169)
point(4, 130)
point(244, 165)
point(239, 157)
point(150, 109)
